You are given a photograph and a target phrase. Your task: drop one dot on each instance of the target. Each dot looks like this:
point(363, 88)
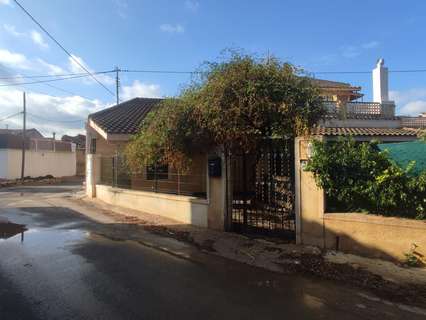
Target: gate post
point(219, 197)
point(93, 174)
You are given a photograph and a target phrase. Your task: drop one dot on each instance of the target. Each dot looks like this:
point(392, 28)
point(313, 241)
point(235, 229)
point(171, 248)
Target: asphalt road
point(64, 268)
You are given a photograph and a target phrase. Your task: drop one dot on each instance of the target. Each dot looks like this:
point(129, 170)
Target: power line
point(52, 75)
point(53, 120)
point(43, 81)
point(369, 72)
point(186, 72)
point(62, 47)
point(66, 91)
point(11, 116)
point(162, 71)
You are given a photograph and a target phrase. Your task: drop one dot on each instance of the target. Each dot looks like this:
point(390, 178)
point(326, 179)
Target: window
point(93, 146)
point(157, 172)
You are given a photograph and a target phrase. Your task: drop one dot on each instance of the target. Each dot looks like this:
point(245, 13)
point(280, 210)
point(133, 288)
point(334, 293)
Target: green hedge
point(359, 177)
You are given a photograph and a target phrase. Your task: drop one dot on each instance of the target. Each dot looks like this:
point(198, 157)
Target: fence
point(414, 122)
point(10, 141)
point(160, 179)
point(361, 109)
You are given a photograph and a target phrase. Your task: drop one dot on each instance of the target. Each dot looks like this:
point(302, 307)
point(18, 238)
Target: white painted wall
point(37, 163)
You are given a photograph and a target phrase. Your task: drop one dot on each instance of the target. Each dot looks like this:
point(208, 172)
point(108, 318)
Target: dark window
point(159, 172)
point(93, 146)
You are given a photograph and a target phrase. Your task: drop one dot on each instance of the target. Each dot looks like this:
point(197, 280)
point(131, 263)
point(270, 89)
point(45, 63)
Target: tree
point(236, 104)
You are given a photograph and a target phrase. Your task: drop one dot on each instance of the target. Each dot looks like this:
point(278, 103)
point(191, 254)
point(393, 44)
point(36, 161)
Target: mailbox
point(215, 167)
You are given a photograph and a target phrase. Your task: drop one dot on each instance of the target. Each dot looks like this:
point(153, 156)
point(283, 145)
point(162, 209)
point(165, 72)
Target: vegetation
point(358, 177)
point(413, 258)
point(234, 104)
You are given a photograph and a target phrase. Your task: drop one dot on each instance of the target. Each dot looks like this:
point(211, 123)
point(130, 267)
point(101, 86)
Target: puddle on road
point(9, 230)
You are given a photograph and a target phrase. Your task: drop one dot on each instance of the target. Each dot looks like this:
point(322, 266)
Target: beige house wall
point(209, 212)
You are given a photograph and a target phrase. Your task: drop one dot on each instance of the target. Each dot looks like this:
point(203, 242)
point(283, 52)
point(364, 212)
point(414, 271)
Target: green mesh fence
point(405, 152)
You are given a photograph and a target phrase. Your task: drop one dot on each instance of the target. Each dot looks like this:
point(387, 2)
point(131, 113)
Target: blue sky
point(319, 36)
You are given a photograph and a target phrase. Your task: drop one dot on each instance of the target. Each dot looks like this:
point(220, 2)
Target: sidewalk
point(385, 279)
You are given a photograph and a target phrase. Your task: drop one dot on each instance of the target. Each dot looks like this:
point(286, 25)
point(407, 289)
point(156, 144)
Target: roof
point(329, 84)
point(31, 133)
point(126, 117)
point(337, 131)
point(405, 152)
point(79, 140)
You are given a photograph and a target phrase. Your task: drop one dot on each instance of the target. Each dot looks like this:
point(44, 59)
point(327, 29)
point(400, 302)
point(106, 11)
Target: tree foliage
point(235, 104)
point(358, 177)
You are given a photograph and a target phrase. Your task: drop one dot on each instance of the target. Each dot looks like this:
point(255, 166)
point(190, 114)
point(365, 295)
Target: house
point(370, 235)
point(43, 156)
point(31, 133)
point(222, 194)
point(80, 149)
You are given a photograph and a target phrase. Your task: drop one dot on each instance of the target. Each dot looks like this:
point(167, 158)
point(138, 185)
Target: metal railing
point(361, 109)
point(115, 173)
point(413, 122)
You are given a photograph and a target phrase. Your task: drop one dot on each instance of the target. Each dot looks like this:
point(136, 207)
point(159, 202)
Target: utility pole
point(117, 84)
point(24, 129)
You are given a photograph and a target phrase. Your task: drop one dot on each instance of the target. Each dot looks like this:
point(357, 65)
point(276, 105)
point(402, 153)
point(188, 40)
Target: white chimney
point(380, 82)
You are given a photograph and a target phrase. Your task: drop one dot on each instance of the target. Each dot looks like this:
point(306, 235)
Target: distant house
point(43, 156)
point(79, 140)
point(30, 133)
point(80, 143)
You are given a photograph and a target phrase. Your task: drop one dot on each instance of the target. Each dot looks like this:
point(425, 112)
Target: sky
point(179, 35)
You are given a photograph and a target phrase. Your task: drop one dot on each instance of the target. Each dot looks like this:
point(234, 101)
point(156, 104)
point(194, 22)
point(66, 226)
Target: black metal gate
point(263, 190)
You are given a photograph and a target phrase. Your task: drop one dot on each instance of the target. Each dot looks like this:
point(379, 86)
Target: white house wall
point(37, 163)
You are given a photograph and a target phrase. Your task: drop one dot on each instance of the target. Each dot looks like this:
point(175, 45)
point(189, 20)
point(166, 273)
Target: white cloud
point(51, 69)
point(12, 30)
point(410, 102)
point(370, 45)
point(121, 6)
point(192, 5)
point(172, 28)
point(14, 60)
point(75, 68)
point(413, 108)
point(57, 109)
point(354, 51)
point(7, 2)
point(139, 89)
point(37, 38)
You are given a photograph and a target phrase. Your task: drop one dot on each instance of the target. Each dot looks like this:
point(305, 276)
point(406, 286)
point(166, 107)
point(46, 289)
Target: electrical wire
point(52, 75)
point(11, 116)
point(43, 81)
point(53, 120)
point(161, 71)
point(62, 47)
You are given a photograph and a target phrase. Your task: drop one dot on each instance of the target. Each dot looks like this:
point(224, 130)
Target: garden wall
point(367, 235)
point(374, 236)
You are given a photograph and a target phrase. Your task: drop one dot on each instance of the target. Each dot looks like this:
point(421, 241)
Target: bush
point(358, 177)
point(235, 105)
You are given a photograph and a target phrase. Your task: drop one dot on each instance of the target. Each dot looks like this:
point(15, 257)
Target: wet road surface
point(65, 266)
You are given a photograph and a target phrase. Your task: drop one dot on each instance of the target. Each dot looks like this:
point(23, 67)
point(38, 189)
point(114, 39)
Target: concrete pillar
point(219, 197)
point(309, 199)
point(93, 174)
